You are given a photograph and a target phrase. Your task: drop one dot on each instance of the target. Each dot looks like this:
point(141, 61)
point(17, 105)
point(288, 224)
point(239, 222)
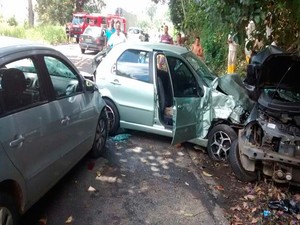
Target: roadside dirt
point(248, 203)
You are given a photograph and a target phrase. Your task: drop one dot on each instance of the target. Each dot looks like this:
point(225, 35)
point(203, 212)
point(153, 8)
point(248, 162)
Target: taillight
point(98, 41)
point(80, 39)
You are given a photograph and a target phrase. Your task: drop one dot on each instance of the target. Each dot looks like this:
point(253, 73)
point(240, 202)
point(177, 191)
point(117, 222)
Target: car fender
point(10, 173)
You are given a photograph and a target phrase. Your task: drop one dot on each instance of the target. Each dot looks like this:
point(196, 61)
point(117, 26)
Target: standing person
point(110, 30)
point(165, 37)
point(117, 37)
point(197, 48)
point(179, 39)
point(232, 44)
point(269, 20)
point(249, 42)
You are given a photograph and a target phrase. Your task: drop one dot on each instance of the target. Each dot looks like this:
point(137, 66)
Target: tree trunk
point(30, 14)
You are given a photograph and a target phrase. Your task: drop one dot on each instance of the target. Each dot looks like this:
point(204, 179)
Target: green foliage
point(53, 12)
point(212, 20)
point(49, 34)
point(94, 6)
point(46, 34)
point(12, 31)
point(12, 21)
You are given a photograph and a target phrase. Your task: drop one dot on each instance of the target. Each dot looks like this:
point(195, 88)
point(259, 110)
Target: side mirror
point(90, 86)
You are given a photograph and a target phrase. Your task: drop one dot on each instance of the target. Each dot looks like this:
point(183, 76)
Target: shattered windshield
point(202, 70)
point(77, 20)
point(284, 95)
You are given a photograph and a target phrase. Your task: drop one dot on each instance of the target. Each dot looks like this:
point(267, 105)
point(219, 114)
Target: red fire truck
point(81, 20)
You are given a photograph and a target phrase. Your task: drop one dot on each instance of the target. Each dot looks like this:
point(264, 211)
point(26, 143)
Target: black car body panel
point(270, 140)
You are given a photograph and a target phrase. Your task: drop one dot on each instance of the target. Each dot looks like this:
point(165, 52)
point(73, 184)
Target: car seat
point(13, 84)
point(164, 95)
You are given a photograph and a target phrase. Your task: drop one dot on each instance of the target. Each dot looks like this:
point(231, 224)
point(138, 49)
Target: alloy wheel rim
point(100, 134)
point(220, 145)
point(111, 117)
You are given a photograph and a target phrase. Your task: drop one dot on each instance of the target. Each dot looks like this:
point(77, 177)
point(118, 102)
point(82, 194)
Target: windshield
point(284, 95)
point(202, 70)
point(93, 31)
point(77, 20)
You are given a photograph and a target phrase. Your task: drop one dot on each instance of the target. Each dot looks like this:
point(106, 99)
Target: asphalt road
point(140, 180)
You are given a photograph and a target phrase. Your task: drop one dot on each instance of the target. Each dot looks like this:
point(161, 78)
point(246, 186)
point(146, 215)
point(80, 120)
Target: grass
point(46, 34)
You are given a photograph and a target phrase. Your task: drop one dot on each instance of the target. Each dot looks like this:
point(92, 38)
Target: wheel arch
point(216, 122)
point(12, 188)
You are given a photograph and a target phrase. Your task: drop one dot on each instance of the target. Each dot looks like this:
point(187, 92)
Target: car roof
point(11, 45)
point(153, 46)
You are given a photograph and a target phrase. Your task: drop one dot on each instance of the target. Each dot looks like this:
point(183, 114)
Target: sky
point(8, 7)
point(17, 8)
point(134, 6)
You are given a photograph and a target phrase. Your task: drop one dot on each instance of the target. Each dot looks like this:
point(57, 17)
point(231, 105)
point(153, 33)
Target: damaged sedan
point(269, 143)
point(167, 90)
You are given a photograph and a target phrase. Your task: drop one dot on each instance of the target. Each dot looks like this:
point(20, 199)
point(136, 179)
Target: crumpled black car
point(269, 143)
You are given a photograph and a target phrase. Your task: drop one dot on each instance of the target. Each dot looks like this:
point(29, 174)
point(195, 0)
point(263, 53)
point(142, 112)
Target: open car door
point(186, 102)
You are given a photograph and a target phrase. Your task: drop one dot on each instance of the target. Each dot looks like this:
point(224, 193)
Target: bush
point(46, 34)
point(12, 21)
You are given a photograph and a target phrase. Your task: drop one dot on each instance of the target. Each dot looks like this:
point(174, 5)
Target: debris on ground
point(121, 137)
point(259, 203)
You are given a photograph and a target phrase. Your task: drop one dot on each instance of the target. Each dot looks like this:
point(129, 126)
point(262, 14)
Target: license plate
point(88, 40)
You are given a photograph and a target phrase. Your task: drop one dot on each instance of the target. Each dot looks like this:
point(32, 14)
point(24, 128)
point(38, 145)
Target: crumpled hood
point(273, 68)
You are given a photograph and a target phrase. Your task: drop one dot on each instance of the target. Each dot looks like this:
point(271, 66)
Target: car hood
point(273, 68)
point(233, 85)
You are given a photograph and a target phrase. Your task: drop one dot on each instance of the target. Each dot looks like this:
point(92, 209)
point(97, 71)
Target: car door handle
point(65, 120)
point(18, 142)
point(116, 82)
point(114, 69)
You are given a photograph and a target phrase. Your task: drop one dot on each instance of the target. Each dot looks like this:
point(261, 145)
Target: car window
point(93, 31)
point(184, 82)
point(202, 70)
point(19, 86)
point(64, 80)
point(134, 64)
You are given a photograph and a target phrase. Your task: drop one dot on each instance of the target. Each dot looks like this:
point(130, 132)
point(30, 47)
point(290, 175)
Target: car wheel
point(236, 165)
point(219, 141)
point(8, 211)
point(100, 136)
point(82, 50)
point(113, 117)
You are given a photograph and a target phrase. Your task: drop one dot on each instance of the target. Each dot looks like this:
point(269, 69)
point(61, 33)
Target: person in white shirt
point(117, 37)
point(233, 44)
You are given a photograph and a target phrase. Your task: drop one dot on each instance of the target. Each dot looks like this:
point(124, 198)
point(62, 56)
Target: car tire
point(9, 213)
point(113, 117)
point(220, 138)
point(236, 165)
point(100, 136)
point(82, 50)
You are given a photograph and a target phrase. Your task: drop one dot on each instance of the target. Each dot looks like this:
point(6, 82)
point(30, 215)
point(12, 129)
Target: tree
point(94, 6)
point(30, 14)
point(213, 19)
point(151, 10)
point(60, 11)
point(54, 11)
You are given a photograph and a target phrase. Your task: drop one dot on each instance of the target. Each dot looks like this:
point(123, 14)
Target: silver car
point(93, 38)
point(167, 90)
point(50, 117)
